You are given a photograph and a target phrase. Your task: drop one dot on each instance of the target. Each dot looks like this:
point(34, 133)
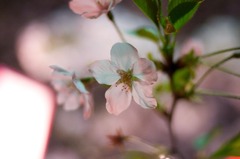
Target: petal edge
point(104, 72)
point(118, 99)
point(124, 55)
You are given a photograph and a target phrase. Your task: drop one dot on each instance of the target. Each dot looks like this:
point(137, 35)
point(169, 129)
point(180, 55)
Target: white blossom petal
point(145, 70)
point(124, 55)
point(118, 99)
point(78, 84)
point(60, 71)
point(142, 95)
point(104, 72)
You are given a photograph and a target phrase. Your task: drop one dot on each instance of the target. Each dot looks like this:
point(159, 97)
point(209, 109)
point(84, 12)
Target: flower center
point(126, 79)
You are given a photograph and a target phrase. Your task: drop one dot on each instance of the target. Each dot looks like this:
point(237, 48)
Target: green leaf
point(151, 8)
point(230, 148)
point(139, 155)
point(182, 81)
point(147, 33)
point(181, 11)
point(160, 108)
point(162, 88)
point(188, 60)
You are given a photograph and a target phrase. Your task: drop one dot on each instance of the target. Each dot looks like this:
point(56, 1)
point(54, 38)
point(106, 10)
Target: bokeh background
point(35, 34)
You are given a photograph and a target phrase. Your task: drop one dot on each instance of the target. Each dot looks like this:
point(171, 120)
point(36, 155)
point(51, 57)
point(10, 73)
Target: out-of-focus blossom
point(92, 8)
point(192, 45)
point(71, 92)
point(129, 75)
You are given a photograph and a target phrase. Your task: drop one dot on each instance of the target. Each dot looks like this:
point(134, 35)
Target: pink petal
point(124, 55)
point(72, 101)
point(59, 85)
point(118, 99)
point(145, 70)
point(105, 3)
point(63, 91)
point(61, 98)
point(92, 15)
point(142, 95)
point(86, 8)
point(88, 105)
point(104, 72)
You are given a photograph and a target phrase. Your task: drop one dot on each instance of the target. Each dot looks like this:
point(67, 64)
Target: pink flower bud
point(92, 8)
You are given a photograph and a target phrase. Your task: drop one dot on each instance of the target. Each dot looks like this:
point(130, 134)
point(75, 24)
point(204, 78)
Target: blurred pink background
point(36, 34)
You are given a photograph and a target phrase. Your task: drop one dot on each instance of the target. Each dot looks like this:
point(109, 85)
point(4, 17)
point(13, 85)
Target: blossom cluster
point(71, 91)
point(129, 76)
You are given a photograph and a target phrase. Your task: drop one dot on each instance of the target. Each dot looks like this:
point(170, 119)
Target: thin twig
point(223, 70)
point(219, 94)
point(111, 18)
point(211, 69)
point(172, 137)
point(173, 140)
point(219, 52)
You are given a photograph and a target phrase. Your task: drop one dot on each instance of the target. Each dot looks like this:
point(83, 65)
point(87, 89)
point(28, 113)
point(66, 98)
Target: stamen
point(126, 79)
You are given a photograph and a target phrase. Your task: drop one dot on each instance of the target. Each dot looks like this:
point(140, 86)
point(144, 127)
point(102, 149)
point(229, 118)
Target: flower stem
point(111, 18)
point(171, 135)
point(173, 140)
point(211, 69)
point(219, 52)
point(220, 94)
point(224, 70)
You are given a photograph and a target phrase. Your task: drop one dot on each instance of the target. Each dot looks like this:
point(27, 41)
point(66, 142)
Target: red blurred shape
point(26, 113)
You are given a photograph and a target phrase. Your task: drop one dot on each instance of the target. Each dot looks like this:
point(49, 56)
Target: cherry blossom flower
point(71, 92)
point(129, 75)
point(92, 8)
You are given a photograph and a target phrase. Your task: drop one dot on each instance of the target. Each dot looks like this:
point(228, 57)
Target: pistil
point(126, 79)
